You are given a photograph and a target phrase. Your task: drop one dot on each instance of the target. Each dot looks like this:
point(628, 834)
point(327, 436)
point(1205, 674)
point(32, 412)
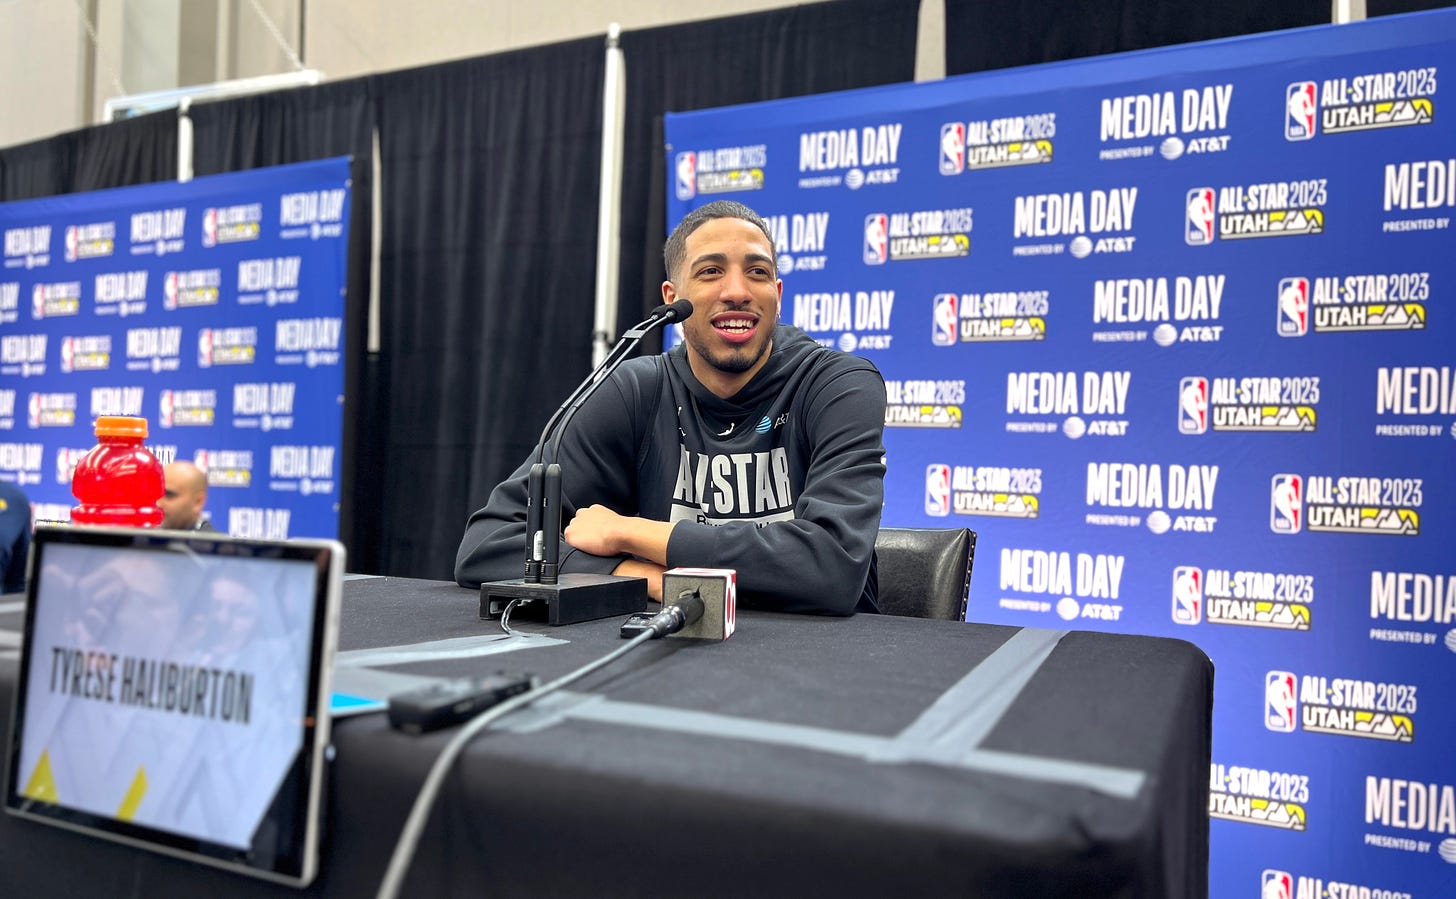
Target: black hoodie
point(784, 482)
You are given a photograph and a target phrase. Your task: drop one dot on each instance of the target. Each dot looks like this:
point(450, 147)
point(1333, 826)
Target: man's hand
point(595, 530)
point(602, 532)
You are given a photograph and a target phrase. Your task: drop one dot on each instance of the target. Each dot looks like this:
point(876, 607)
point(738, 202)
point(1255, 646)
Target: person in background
point(14, 536)
point(186, 495)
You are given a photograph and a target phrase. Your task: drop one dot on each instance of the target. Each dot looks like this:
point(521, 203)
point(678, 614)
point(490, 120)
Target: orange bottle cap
point(120, 426)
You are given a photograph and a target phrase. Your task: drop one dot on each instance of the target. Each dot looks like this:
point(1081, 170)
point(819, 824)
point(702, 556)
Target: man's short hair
point(675, 249)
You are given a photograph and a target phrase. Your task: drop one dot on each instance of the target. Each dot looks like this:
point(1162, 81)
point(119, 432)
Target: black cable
point(681, 612)
point(414, 825)
point(505, 619)
point(686, 609)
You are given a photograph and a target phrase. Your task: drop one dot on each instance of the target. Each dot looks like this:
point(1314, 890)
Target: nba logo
point(169, 291)
point(1277, 885)
point(1281, 706)
point(37, 301)
point(1293, 307)
point(199, 459)
point(937, 490)
point(204, 348)
point(1286, 504)
point(952, 148)
point(944, 319)
point(165, 409)
point(1193, 406)
point(33, 416)
point(71, 240)
point(877, 237)
point(1299, 111)
point(687, 175)
point(1187, 595)
point(209, 228)
point(1198, 225)
point(68, 354)
point(66, 460)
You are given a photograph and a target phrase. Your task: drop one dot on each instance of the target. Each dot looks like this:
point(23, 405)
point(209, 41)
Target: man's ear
point(669, 293)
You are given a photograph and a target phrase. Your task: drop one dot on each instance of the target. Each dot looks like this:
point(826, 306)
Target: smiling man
point(749, 446)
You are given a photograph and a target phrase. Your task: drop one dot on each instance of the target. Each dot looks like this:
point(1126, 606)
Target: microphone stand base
point(575, 597)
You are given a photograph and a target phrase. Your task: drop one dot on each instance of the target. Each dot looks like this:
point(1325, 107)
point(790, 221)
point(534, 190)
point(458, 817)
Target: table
point(805, 756)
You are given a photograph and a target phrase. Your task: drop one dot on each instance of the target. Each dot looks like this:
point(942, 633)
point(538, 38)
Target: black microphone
point(687, 609)
point(673, 312)
point(570, 597)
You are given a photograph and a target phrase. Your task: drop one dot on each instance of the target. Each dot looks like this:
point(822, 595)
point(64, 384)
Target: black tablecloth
point(805, 756)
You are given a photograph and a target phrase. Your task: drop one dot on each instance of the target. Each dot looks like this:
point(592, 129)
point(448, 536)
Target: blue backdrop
point(214, 309)
point(1171, 331)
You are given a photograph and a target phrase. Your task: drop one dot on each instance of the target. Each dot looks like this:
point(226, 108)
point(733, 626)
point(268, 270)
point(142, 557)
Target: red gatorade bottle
point(119, 481)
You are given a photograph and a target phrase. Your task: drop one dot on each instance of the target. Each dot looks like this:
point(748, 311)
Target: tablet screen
point(170, 693)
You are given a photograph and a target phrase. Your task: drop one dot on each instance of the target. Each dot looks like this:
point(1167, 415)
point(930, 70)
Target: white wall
point(351, 37)
point(42, 62)
point(55, 78)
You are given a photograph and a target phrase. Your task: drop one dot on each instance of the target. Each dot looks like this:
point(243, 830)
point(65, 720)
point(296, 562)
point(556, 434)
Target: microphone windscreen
point(679, 311)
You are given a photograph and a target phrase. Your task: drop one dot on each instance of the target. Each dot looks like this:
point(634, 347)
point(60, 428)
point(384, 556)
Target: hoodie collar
point(790, 348)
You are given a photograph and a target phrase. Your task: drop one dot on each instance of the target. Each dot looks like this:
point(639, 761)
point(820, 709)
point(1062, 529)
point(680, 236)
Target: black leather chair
point(925, 572)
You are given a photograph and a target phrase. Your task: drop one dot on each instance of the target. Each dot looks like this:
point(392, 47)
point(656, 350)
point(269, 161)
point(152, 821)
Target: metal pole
point(184, 140)
point(609, 202)
point(1346, 11)
point(376, 239)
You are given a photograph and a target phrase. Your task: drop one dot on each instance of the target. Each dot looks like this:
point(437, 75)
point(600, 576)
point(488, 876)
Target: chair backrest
point(925, 572)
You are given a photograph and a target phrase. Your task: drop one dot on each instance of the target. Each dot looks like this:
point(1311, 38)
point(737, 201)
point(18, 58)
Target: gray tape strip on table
point(960, 719)
point(948, 734)
point(367, 682)
point(1121, 783)
point(436, 650)
point(586, 707)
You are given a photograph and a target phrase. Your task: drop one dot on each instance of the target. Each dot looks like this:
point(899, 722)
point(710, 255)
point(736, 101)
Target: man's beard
point(740, 359)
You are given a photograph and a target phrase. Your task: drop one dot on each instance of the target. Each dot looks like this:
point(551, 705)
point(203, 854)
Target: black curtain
point(282, 127)
point(810, 49)
point(132, 151)
point(980, 34)
point(1375, 8)
point(40, 168)
point(489, 170)
point(140, 150)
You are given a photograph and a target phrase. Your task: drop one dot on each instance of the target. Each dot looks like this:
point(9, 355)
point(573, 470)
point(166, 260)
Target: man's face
point(180, 505)
point(728, 273)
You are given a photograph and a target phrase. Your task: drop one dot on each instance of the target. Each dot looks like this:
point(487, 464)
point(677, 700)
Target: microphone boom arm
point(543, 503)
